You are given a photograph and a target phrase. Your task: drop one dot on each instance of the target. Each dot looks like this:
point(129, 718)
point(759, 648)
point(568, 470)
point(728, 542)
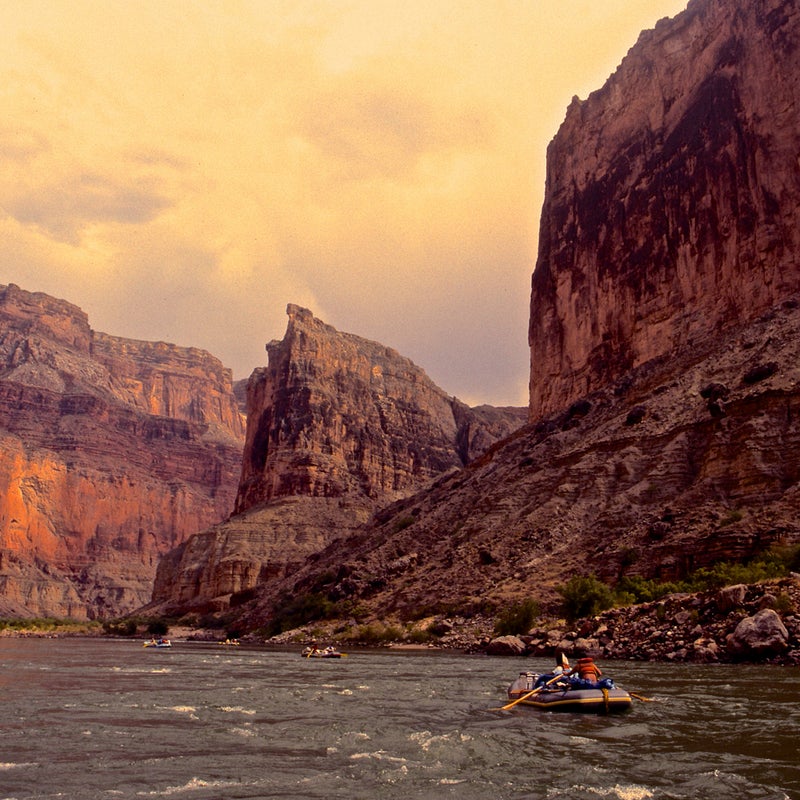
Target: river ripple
point(96, 719)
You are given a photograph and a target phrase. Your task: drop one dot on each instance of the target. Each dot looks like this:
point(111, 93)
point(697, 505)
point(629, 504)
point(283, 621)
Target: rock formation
point(336, 426)
point(762, 634)
point(665, 321)
point(702, 627)
point(113, 452)
point(672, 199)
point(586, 490)
point(334, 414)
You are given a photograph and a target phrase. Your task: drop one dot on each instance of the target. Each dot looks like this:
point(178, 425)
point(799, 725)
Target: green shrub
point(732, 518)
point(298, 611)
point(403, 523)
point(517, 619)
point(584, 596)
point(375, 634)
point(728, 573)
point(776, 562)
point(420, 636)
point(636, 589)
point(784, 604)
point(158, 627)
point(120, 627)
point(47, 624)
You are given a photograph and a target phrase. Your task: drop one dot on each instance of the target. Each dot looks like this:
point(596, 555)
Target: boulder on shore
point(762, 634)
point(506, 646)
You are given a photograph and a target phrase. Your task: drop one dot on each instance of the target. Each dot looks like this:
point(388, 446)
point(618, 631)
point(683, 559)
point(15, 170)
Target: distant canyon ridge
point(112, 452)
point(661, 435)
point(115, 452)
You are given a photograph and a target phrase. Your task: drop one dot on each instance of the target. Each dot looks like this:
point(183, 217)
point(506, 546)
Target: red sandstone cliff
point(113, 452)
point(336, 426)
point(672, 199)
point(335, 414)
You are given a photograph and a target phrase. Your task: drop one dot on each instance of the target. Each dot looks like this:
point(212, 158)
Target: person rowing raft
point(561, 668)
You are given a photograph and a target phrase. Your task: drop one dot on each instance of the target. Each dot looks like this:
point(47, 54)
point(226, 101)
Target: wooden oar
point(529, 694)
point(643, 699)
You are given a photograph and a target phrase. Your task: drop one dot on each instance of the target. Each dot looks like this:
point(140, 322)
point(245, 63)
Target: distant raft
point(327, 652)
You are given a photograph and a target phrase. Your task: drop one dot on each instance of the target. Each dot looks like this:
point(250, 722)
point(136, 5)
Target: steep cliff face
point(113, 452)
point(693, 461)
point(336, 426)
point(672, 198)
point(334, 414)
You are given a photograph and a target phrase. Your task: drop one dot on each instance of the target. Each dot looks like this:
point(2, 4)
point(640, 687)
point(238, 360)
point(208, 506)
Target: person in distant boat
point(562, 664)
point(586, 669)
point(561, 668)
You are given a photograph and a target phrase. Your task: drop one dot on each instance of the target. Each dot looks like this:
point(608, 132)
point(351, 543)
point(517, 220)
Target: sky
point(183, 169)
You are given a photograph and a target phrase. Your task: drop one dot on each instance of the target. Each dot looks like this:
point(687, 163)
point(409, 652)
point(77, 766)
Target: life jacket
point(587, 669)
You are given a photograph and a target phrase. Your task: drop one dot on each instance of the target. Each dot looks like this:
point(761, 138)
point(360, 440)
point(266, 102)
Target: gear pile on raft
point(580, 688)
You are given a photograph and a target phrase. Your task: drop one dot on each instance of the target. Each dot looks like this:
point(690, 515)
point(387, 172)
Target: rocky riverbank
point(743, 623)
point(753, 623)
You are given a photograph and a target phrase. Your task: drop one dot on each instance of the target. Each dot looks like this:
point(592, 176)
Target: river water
point(96, 719)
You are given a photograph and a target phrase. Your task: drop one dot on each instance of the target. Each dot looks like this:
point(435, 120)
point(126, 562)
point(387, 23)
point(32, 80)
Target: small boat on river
point(569, 694)
point(162, 642)
point(327, 652)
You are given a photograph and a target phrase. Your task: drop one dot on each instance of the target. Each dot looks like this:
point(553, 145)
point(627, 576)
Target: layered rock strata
point(672, 199)
point(336, 426)
point(334, 414)
point(113, 452)
point(685, 462)
point(665, 390)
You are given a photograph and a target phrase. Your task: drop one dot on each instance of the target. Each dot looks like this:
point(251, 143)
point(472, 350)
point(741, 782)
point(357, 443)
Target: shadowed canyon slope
point(663, 430)
point(113, 452)
point(337, 425)
point(688, 461)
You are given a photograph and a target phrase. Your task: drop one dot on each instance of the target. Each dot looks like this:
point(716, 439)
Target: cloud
point(183, 170)
point(386, 131)
point(66, 208)
point(20, 145)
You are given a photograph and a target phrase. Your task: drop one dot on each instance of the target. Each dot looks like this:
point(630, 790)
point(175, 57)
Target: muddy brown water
point(96, 719)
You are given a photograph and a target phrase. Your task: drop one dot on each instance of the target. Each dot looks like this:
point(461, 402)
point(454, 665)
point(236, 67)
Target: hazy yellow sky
point(183, 170)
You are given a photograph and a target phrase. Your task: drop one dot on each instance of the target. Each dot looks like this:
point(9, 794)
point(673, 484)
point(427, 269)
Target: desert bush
point(635, 589)
point(584, 596)
point(120, 627)
point(158, 627)
point(298, 611)
point(517, 618)
point(376, 634)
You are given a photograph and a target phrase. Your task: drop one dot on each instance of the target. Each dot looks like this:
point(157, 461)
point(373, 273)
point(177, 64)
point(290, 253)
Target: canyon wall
point(664, 431)
point(337, 425)
point(672, 199)
point(695, 459)
point(335, 414)
point(113, 452)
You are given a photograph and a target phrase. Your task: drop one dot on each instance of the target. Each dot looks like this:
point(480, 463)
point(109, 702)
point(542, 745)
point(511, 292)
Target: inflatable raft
point(592, 701)
point(568, 694)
